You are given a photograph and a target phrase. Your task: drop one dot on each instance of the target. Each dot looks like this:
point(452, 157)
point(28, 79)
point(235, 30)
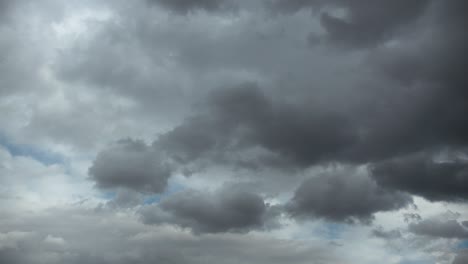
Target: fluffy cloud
point(130, 164)
point(244, 117)
point(439, 228)
point(223, 211)
point(422, 175)
point(364, 23)
point(344, 196)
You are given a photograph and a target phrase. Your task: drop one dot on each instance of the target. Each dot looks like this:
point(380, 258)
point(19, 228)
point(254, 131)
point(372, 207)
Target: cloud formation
point(439, 228)
point(421, 175)
point(201, 131)
point(344, 196)
point(223, 211)
point(130, 164)
point(364, 23)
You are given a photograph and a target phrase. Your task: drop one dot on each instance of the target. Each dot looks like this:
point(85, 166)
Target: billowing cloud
point(223, 211)
point(244, 117)
point(439, 228)
point(130, 164)
point(422, 175)
point(344, 196)
point(362, 23)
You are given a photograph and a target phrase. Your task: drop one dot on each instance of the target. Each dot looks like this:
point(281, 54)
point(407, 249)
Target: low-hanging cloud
point(420, 174)
point(222, 211)
point(344, 196)
point(130, 164)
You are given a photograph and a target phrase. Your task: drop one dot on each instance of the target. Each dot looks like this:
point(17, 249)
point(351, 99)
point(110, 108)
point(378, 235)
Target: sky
point(233, 131)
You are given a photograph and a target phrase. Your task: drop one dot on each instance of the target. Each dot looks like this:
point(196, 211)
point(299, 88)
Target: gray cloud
point(223, 211)
point(421, 175)
point(130, 164)
point(461, 257)
point(365, 22)
point(344, 196)
point(185, 6)
point(244, 117)
point(125, 198)
point(439, 228)
point(390, 234)
point(121, 239)
point(410, 217)
point(465, 223)
point(77, 74)
point(431, 73)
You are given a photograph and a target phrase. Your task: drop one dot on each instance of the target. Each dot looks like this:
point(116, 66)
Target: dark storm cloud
point(130, 164)
point(185, 6)
point(439, 228)
point(10, 255)
point(421, 175)
point(344, 196)
point(431, 71)
point(223, 211)
point(436, 61)
point(365, 22)
point(244, 117)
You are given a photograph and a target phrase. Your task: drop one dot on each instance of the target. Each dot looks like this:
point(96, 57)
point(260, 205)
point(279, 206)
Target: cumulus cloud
point(420, 174)
point(223, 211)
point(344, 196)
point(243, 117)
point(439, 228)
point(364, 23)
point(130, 164)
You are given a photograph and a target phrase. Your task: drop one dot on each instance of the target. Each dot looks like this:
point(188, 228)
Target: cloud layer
point(262, 131)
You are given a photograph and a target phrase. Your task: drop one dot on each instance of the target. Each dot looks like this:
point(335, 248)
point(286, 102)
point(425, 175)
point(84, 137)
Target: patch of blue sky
point(109, 195)
point(463, 244)
point(148, 199)
point(332, 230)
point(45, 157)
point(328, 231)
point(171, 189)
point(419, 261)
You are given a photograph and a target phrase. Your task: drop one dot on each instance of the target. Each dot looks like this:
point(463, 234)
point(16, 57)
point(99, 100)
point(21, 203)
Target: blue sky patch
point(43, 156)
point(463, 244)
point(171, 189)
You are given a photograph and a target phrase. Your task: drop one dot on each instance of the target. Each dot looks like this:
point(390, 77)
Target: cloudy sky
point(233, 131)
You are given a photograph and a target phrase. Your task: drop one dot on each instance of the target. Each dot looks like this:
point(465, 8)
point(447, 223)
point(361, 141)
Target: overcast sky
point(233, 131)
